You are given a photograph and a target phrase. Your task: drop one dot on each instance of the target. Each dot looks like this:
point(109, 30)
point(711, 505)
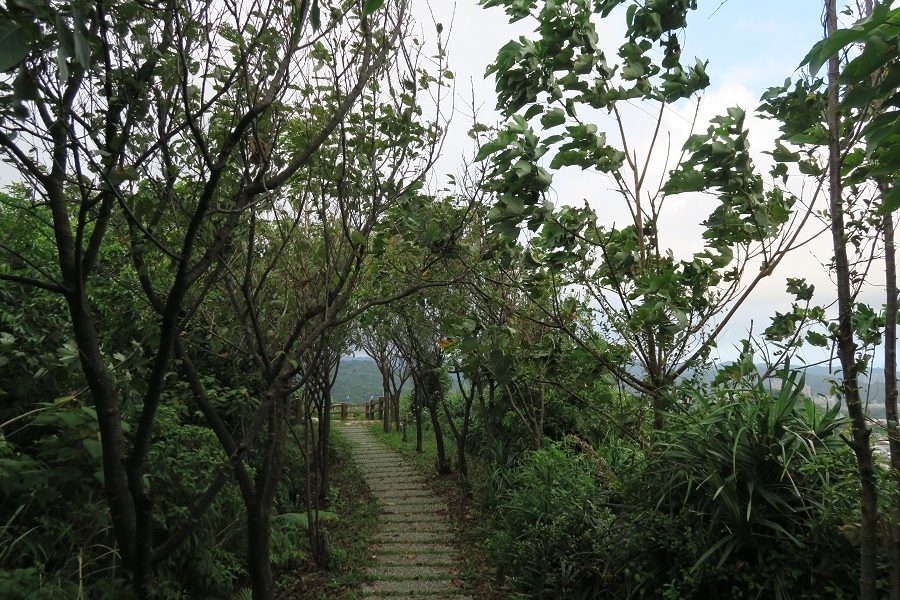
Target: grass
point(350, 534)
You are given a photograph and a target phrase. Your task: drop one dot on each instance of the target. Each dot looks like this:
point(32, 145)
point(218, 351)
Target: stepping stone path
point(412, 556)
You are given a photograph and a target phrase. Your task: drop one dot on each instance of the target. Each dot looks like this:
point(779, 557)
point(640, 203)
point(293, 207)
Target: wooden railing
point(372, 410)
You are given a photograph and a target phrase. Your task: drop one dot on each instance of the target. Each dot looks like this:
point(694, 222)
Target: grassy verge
point(471, 528)
point(350, 534)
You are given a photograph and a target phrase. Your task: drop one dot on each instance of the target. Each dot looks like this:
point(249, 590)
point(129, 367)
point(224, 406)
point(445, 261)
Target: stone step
point(421, 558)
point(382, 572)
point(413, 548)
point(412, 555)
point(423, 537)
point(411, 586)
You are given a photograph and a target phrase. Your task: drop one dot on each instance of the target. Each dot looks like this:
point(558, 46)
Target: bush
point(549, 518)
point(180, 470)
point(739, 495)
point(55, 537)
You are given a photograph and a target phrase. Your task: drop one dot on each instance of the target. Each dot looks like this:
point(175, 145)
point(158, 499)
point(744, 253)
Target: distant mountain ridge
point(359, 378)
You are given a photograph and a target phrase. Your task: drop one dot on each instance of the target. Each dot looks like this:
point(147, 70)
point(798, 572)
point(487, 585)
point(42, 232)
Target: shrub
point(548, 518)
point(211, 559)
point(740, 489)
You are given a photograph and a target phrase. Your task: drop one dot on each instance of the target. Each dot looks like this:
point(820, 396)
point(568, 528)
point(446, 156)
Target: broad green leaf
point(64, 34)
point(522, 168)
point(14, 43)
point(489, 148)
point(534, 109)
point(553, 118)
point(875, 55)
point(841, 38)
point(370, 6)
point(816, 339)
point(828, 47)
point(93, 446)
point(890, 200)
point(82, 48)
point(315, 16)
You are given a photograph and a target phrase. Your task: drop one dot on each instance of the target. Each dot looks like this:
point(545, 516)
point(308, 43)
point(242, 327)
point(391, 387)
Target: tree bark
point(442, 466)
point(846, 343)
point(387, 404)
point(259, 565)
point(890, 394)
point(418, 413)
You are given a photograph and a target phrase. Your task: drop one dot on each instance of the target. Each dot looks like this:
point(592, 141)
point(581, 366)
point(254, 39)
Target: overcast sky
point(750, 47)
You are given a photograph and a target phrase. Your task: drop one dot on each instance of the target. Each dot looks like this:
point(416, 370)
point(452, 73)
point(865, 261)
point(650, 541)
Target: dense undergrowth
point(747, 493)
point(55, 539)
point(350, 529)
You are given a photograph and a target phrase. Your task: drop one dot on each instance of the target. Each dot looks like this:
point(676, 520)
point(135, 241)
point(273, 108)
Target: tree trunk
point(846, 344)
point(486, 416)
point(259, 512)
point(442, 467)
point(460, 434)
point(395, 404)
point(324, 445)
point(890, 394)
point(123, 512)
point(259, 567)
point(418, 412)
point(386, 406)
point(463, 464)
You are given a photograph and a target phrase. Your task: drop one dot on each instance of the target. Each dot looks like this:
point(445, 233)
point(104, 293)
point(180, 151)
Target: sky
point(750, 46)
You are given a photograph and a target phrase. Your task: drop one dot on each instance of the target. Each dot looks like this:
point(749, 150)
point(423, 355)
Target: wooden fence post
point(345, 409)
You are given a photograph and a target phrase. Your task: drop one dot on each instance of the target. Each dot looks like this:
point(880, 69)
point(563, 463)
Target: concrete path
point(412, 556)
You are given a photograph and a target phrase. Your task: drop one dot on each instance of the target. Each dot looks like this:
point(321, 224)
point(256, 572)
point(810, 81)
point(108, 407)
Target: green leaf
point(14, 44)
point(553, 118)
point(489, 148)
point(816, 339)
point(802, 290)
point(315, 16)
point(522, 168)
point(841, 38)
point(66, 40)
point(890, 200)
point(370, 6)
point(534, 109)
point(685, 181)
point(93, 446)
point(828, 47)
point(82, 48)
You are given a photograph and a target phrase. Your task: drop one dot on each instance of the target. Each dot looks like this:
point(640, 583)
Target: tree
point(168, 126)
point(669, 310)
point(858, 108)
point(376, 338)
point(293, 275)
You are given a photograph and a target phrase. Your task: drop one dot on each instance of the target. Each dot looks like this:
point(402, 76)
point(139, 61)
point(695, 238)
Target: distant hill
point(358, 378)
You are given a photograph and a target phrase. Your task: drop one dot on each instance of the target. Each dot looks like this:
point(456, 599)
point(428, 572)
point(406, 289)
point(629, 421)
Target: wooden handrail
point(373, 410)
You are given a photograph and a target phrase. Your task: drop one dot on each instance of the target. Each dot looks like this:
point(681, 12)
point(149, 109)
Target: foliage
point(870, 80)
point(56, 537)
point(749, 476)
point(746, 494)
point(210, 560)
point(549, 517)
